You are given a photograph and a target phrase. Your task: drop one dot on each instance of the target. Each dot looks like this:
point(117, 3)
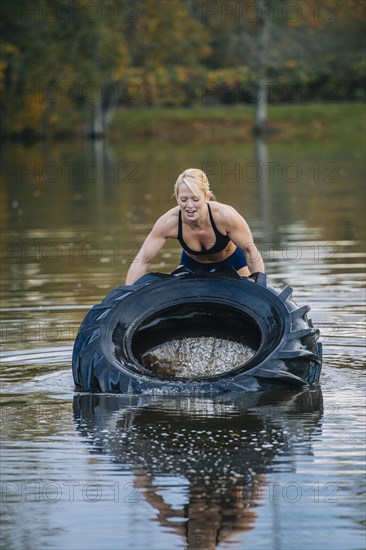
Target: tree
point(166, 34)
point(269, 38)
point(58, 54)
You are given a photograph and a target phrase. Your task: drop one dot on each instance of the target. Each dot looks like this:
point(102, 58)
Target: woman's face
point(192, 205)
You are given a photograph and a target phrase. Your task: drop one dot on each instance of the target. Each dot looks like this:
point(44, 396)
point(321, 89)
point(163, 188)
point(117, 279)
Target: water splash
point(196, 357)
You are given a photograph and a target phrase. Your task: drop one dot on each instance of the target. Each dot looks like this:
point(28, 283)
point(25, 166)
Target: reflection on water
point(219, 450)
point(252, 469)
point(258, 471)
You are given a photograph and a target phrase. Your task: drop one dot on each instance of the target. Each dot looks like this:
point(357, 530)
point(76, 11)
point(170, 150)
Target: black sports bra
point(221, 240)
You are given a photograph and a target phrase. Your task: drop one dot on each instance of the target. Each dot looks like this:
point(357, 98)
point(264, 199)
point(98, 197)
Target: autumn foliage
point(67, 65)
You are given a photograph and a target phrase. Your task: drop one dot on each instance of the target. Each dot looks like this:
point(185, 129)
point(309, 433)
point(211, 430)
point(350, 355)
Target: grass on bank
point(288, 121)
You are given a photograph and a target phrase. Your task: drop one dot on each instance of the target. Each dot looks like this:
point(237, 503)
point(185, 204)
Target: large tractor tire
point(159, 308)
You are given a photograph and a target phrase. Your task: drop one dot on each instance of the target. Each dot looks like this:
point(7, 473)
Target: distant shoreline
point(215, 124)
point(223, 124)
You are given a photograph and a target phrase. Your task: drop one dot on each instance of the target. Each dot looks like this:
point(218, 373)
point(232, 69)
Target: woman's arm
point(239, 232)
point(152, 245)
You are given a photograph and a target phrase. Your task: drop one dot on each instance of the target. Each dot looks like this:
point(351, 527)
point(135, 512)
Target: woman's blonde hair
point(197, 182)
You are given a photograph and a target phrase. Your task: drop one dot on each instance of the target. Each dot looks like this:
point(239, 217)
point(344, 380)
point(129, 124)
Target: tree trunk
point(97, 130)
point(262, 41)
point(99, 114)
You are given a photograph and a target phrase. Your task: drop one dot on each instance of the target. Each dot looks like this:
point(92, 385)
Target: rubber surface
point(159, 307)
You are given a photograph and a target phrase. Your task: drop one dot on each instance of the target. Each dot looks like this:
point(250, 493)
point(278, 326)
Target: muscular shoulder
point(167, 224)
point(232, 223)
point(224, 214)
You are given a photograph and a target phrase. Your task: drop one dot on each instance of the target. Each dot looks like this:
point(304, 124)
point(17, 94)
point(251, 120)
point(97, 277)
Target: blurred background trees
point(66, 65)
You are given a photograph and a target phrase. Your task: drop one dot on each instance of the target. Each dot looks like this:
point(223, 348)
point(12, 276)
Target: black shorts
point(236, 259)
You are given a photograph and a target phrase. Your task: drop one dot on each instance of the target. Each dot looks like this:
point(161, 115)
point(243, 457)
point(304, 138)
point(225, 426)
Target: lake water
point(281, 469)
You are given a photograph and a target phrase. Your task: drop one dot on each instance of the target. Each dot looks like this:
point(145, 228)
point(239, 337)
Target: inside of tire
point(188, 321)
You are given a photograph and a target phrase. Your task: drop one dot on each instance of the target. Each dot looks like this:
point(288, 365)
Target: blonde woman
point(211, 233)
